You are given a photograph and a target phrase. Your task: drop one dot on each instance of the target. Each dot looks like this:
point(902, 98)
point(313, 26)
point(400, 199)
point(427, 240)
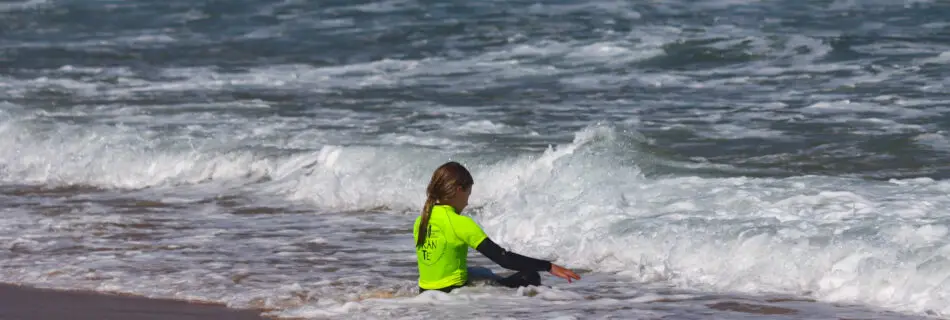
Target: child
point(442, 250)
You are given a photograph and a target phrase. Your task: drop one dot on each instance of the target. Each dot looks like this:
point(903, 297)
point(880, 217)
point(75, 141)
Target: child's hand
point(562, 272)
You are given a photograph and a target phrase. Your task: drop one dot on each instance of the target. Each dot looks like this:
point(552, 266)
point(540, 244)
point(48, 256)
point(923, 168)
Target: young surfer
point(442, 249)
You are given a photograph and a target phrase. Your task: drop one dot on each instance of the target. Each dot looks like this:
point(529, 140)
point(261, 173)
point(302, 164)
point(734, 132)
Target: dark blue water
point(733, 82)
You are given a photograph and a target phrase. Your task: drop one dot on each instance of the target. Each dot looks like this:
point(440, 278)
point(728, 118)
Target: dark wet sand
point(26, 303)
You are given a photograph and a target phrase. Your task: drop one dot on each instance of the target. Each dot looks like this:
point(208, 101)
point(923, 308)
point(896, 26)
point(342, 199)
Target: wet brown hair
point(441, 187)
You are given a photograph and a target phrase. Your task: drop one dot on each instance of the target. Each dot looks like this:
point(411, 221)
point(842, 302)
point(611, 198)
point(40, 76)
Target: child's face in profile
point(461, 197)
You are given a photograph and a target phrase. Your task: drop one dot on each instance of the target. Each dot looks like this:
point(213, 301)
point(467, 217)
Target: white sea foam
point(584, 204)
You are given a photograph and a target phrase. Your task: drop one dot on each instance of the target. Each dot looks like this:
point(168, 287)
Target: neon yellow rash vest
point(443, 257)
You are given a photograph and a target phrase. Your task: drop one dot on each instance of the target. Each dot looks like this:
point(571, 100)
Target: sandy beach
point(17, 302)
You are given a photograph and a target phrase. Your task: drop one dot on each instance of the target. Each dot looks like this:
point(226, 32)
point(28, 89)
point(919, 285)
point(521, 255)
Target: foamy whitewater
point(691, 159)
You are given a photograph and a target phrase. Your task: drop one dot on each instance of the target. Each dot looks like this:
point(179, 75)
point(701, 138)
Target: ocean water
point(715, 159)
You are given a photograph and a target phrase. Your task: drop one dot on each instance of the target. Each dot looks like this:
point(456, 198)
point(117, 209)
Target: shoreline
point(25, 302)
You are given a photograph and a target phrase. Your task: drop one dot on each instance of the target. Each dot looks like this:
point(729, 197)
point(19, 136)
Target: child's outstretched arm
point(510, 260)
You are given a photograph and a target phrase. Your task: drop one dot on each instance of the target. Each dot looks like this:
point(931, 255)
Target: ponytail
point(424, 224)
point(442, 186)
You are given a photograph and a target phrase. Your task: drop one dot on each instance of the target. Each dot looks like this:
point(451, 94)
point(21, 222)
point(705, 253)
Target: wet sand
point(17, 302)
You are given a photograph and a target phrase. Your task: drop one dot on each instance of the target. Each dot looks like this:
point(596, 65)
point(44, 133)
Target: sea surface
point(721, 159)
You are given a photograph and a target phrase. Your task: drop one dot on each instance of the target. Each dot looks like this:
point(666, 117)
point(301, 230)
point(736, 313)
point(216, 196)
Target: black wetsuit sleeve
point(510, 260)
